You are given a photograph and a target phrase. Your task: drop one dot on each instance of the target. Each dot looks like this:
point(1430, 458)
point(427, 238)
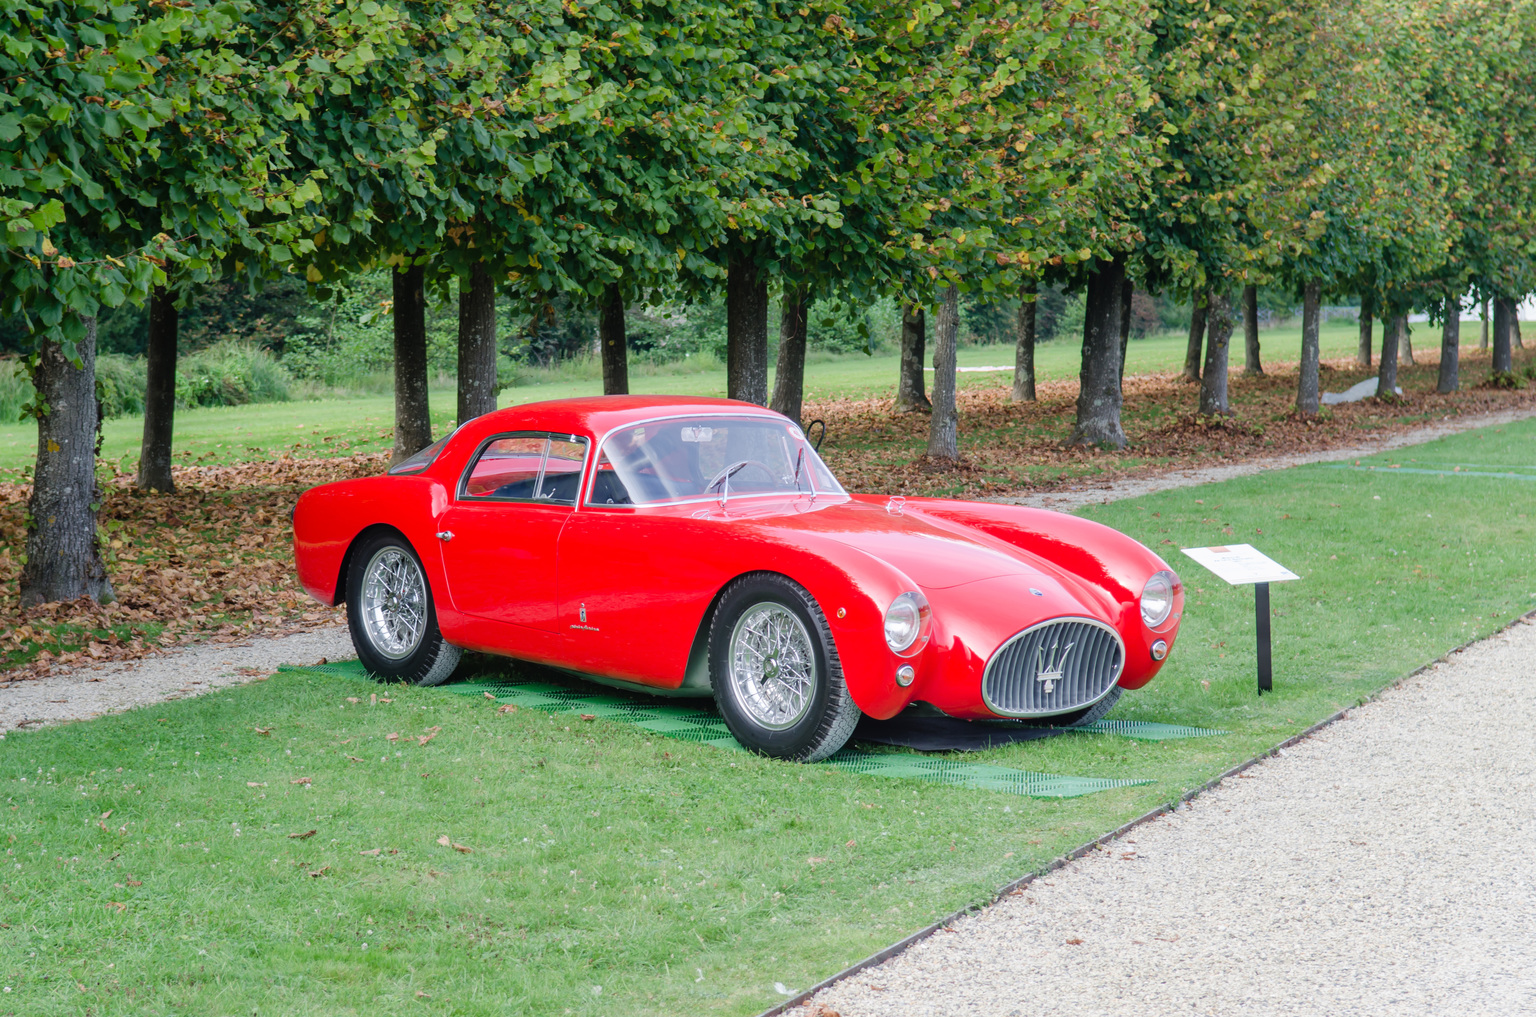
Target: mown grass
point(365, 424)
point(151, 866)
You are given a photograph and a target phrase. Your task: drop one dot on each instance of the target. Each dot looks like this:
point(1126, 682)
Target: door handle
point(445, 535)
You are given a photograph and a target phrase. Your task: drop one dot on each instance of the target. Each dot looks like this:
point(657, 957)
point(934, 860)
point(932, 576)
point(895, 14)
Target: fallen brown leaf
point(509, 708)
point(372, 852)
point(445, 842)
point(121, 907)
point(252, 783)
point(302, 836)
point(321, 872)
point(393, 736)
point(262, 730)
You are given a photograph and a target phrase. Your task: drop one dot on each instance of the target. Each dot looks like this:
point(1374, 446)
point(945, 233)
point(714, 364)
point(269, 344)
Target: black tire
point(1081, 718)
point(424, 659)
point(824, 717)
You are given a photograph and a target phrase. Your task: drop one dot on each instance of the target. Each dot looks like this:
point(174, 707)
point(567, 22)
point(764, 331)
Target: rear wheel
point(391, 615)
point(775, 671)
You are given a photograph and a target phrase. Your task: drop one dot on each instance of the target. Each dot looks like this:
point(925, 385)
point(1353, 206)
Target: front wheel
point(775, 671)
point(391, 615)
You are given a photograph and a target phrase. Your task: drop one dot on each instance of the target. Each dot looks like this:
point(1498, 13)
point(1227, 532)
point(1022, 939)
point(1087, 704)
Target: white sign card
point(1241, 563)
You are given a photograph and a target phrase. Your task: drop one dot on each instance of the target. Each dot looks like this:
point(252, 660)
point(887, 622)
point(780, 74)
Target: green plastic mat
point(672, 719)
point(1146, 730)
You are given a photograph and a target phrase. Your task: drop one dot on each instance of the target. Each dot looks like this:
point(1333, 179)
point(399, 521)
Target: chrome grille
point(1054, 667)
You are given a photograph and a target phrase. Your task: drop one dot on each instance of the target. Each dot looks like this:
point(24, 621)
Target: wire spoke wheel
point(394, 603)
point(772, 665)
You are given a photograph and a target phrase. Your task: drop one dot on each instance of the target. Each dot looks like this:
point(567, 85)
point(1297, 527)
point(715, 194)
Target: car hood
point(936, 554)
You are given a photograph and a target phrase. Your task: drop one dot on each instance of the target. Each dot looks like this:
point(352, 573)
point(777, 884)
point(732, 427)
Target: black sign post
point(1261, 620)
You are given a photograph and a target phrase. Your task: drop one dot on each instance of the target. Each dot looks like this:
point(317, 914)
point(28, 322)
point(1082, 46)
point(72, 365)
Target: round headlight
point(1157, 598)
point(906, 623)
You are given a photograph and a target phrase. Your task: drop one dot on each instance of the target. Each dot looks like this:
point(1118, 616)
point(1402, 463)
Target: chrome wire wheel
point(772, 665)
point(394, 603)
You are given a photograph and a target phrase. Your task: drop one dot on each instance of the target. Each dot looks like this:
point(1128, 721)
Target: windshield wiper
point(723, 478)
point(799, 462)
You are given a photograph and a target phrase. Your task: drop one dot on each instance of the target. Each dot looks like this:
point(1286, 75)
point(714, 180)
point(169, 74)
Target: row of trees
point(618, 151)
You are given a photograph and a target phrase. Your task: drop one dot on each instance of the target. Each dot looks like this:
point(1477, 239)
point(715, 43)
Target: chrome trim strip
point(461, 494)
point(727, 411)
point(1076, 681)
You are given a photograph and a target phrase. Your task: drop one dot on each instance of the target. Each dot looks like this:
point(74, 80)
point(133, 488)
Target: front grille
point(1054, 667)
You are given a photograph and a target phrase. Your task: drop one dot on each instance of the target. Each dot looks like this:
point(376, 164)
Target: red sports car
point(690, 547)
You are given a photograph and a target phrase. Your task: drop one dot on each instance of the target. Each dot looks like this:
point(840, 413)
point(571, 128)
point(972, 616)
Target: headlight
point(906, 623)
point(1157, 598)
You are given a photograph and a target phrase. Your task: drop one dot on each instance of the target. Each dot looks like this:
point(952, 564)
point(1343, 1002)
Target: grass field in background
point(340, 426)
point(163, 862)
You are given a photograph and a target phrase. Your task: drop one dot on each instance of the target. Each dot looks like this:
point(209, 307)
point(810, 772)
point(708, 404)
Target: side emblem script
point(1049, 666)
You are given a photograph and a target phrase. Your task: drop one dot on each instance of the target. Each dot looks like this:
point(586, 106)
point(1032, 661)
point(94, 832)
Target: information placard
point(1240, 564)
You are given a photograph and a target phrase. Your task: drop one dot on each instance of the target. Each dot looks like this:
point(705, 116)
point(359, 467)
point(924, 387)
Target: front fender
point(1102, 565)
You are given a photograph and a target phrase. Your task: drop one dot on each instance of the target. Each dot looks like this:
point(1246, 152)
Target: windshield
point(697, 458)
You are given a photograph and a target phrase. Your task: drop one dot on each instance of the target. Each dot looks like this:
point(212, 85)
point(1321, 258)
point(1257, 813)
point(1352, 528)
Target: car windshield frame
point(814, 489)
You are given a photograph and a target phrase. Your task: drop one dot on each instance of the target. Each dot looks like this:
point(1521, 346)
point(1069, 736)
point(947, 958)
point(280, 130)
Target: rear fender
point(329, 520)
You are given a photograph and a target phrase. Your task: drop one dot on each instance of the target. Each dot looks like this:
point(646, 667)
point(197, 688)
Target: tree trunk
point(1363, 355)
point(1450, 346)
point(1218, 338)
point(1307, 398)
point(1024, 348)
point(1482, 343)
point(1502, 354)
point(943, 428)
point(789, 375)
point(63, 557)
point(1127, 292)
point(1098, 395)
point(1405, 345)
point(1192, 353)
point(910, 386)
point(1514, 323)
point(413, 420)
point(746, 329)
point(1251, 362)
point(613, 341)
point(477, 345)
point(159, 394)
point(1386, 376)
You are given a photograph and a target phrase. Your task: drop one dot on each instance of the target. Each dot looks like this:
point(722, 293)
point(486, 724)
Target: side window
point(562, 469)
point(528, 467)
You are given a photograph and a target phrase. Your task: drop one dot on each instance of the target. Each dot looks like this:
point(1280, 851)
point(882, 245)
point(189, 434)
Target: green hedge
point(228, 373)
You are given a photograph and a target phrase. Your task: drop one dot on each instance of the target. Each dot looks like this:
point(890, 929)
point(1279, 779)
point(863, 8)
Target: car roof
point(597, 415)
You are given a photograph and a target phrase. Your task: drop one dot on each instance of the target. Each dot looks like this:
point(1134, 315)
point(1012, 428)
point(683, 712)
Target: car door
point(635, 581)
point(500, 534)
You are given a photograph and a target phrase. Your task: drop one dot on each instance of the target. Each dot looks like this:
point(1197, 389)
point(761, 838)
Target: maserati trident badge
point(583, 614)
point(1048, 667)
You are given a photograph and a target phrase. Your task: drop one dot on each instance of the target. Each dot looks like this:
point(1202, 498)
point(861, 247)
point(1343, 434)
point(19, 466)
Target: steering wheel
point(736, 467)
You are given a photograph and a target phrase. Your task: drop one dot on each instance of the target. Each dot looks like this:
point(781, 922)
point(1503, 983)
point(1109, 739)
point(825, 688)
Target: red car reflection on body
point(700, 546)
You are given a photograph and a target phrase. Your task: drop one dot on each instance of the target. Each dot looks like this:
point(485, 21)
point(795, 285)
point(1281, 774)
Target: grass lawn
point(217, 855)
point(365, 424)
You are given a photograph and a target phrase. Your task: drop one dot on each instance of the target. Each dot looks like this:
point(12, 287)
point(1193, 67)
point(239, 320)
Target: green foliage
point(230, 373)
point(119, 384)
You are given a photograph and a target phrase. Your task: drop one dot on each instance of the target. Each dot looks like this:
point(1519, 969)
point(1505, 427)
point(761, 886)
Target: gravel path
point(1114, 488)
point(81, 693)
point(1383, 866)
